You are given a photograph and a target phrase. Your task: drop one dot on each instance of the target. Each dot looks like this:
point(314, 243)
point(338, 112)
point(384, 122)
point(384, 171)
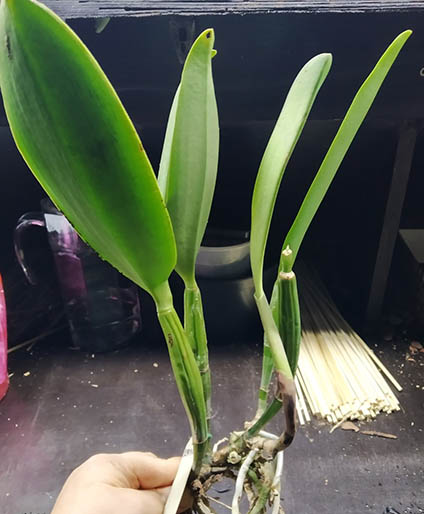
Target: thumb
point(149, 471)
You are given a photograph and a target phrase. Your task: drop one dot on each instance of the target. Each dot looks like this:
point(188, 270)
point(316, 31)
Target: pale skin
point(128, 483)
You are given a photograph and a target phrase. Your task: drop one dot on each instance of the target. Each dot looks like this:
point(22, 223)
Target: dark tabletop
point(73, 404)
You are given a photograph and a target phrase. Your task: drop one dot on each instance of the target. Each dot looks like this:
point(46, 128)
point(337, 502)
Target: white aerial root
point(218, 443)
point(238, 491)
point(268, 435)
point(276, 483)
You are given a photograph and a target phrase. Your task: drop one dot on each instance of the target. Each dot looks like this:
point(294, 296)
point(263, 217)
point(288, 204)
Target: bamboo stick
point(338, 377)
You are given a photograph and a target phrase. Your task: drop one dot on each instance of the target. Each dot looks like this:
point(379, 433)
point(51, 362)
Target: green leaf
point(283, 139)
point(189, 161)
point(100, 24)
point(289, 322)
point(341, 143)
point(76, 137)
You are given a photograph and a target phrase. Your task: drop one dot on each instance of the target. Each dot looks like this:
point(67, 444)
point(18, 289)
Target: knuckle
point(150, 454)
point(98, 459)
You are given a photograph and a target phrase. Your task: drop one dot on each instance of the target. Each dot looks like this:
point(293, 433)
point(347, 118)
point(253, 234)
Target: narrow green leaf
point(163, 175)
point(76, 137)
point(283, 139)
point(189, 161)
point(100, 24)
point(341, 143)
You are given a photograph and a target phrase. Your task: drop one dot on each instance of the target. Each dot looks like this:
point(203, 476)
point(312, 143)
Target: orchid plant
point(77, 139)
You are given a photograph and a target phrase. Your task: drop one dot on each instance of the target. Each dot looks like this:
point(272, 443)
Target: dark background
point(258, 58)
point(52, 419)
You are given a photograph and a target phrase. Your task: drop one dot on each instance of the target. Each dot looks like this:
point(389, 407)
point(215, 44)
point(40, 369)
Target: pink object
point(4, 378)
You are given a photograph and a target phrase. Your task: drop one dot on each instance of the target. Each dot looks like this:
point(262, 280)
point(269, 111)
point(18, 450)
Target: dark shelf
point(137, 8)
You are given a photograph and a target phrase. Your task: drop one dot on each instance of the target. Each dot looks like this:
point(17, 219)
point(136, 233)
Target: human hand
point(126, 483)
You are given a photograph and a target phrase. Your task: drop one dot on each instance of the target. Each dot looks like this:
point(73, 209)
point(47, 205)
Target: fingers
point(135, 470)
point(150, 471)
point(143, 502)
point(106, 499)
point(153, 501)
point(132, 482)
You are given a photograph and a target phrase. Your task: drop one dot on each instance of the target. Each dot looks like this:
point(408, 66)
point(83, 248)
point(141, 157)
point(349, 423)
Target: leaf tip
point(208, 36)
point(403, 36)
point(327, 58)
point(322, 61)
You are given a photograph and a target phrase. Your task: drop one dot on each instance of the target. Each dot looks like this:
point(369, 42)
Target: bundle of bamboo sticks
point(338, 377)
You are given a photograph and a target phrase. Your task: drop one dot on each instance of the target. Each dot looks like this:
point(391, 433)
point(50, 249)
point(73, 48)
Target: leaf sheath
point(194, 326)
point(186, 372)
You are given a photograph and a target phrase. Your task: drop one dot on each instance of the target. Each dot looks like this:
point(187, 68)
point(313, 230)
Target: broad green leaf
point(341, 143)
point(76, 137)
point(283, 139)
point(189, 161)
